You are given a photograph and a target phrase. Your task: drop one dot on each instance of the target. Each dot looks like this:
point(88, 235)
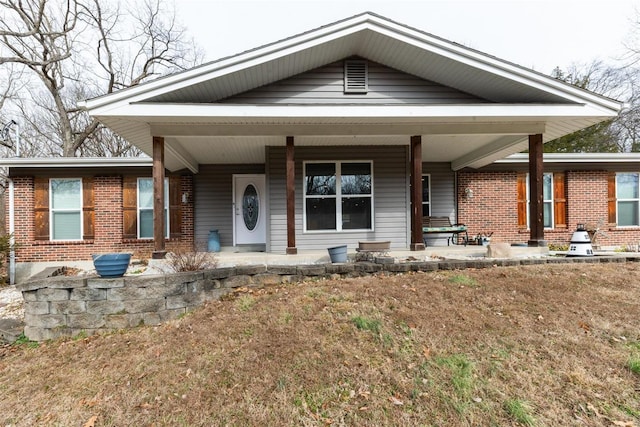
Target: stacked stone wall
point(66, 306)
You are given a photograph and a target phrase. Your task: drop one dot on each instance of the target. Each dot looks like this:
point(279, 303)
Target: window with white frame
point(145, 208)
point(627, 199)
point(66, 208)
point(426, 195)
point(547, 200)
point(338, 196)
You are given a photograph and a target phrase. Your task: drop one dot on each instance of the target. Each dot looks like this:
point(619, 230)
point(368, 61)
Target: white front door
point(249, 210)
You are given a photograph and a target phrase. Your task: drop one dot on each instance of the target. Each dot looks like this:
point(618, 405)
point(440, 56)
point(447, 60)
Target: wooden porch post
point(291, 198)
point(417, 243)
point(536, 200)
point(158, 198)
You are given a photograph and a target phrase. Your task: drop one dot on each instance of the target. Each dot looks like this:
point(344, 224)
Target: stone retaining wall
point(66, 306)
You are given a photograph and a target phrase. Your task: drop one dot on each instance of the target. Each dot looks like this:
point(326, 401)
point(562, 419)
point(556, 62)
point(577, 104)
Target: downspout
point(12, 251)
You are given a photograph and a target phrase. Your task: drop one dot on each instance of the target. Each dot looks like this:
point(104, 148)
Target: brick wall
point(108, 225)
point(587, 196)
point(493, 207)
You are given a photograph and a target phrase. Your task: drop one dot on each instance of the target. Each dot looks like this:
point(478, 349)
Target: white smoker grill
point(580, 244)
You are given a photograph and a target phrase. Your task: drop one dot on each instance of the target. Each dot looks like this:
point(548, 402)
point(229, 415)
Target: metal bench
point(442, 225)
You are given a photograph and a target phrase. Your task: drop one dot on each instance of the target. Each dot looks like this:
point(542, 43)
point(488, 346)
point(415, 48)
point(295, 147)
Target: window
point(63, 209)
point(426, 195)
point(338, 196)
point(553, 200)
point(145, 207)
point(137, 207)
point(627, 199)
point(66, 209)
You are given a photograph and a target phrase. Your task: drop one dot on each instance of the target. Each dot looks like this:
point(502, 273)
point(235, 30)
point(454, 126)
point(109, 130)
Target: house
point(332, 136)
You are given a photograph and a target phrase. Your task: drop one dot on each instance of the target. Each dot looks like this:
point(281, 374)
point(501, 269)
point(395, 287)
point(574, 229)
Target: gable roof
point(185, 105)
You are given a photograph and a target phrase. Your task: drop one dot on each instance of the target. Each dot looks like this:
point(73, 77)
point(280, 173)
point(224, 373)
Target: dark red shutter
point(522, 200)
point(130, 207)
point(41, 208)
point(88, 209)
point(559, 200)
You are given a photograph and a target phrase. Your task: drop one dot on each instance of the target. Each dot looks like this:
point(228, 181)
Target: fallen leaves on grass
point(396, 401)
point(295, 358)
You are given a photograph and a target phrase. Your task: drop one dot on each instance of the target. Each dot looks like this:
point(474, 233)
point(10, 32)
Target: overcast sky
point(538, 34)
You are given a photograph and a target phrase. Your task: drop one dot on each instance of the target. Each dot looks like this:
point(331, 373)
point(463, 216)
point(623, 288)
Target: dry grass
point(540, 345)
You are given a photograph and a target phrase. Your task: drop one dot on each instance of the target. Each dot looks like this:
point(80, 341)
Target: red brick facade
point(493, 207)
point(108, 224)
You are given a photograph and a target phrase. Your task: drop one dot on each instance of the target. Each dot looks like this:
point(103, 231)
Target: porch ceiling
point(251, 149)
point(463, 135)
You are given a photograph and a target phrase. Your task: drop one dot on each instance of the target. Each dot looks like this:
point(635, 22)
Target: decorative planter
point(213, 245)
point(338, 253)
point(111, 264)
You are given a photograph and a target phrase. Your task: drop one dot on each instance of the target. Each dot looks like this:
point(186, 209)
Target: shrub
point(195, 259)
point(559, 247)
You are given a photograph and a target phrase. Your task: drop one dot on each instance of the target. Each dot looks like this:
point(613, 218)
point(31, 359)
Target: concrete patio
point(228, 257)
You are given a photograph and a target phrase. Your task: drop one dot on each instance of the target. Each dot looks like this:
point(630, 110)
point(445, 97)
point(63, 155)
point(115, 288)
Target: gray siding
point(390, 188)
point(213, 192)
point(213, 197)
point(443, 195)
point(325, 85)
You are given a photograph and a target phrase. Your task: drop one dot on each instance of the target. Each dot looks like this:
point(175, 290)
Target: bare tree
point(78, 49)
point(615, 81)
point(10, 86)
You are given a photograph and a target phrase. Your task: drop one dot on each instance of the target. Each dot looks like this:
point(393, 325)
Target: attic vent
point(355, 76)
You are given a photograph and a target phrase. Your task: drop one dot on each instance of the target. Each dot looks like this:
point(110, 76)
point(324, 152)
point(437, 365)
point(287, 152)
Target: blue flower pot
point(338, 253)
point(111, 265)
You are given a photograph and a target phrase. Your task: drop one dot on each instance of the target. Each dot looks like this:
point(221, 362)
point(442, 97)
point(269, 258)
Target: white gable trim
point(226, 66)
point(348, 30)
point(482, 61)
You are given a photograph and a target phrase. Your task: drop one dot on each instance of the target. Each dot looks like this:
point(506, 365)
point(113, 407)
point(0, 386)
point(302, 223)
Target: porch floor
point(228, 257)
